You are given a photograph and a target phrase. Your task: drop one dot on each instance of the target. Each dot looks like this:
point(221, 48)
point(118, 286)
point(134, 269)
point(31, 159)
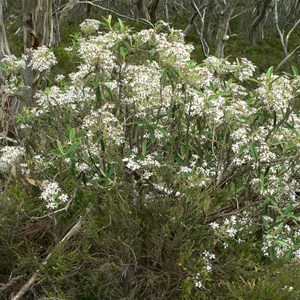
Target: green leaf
point(122, 27)
point(282, 243)
point(295, 71)
point(253, 152)
point(182, 150)
point(270, 72)
point(57, 153)
point(233, 187)
point(242, 149)
point(267, 171)
point(123, 52)
point(292, 128)
point(164, 78)
point(288, 210)
point(144, 147)
point(262, 180)
point(192, 64)
point(111, 170)
point(47, 90)
point(274, 118)
point(102, 143)
point(148, 22)
point(72, 148)
point(72, 135)
point(60, 147)
point(139, 122)
point(152, 134)
point(83, 178)
point(160, 129)
point(98, 94)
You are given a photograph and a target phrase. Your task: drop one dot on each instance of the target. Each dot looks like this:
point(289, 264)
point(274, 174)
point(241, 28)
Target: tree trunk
point(88, 11)
point(261, 13)
point(152, 10)
point(4, 49)
point(226, 10)
point(37, 23)
point(67, 9)
point(143, 10)
point(5, 120)
point(38, 31)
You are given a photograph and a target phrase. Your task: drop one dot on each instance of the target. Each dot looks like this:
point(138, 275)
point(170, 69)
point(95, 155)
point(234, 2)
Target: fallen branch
point(4, 286)
point(73, 231)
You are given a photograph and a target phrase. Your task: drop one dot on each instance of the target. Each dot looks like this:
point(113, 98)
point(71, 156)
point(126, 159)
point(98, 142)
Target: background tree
point(38, 30)
point(4, 49)
point(225, 11)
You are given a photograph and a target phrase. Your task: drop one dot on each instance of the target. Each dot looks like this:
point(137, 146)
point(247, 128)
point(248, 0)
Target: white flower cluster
point(11, 154)
point(276, 93)
point(208, 257)
point(147, 166)
point(73, 98)
point(148, 99)
point(41, 59)
point(99, 51)
point(12, 65)
point(52, 194)
point(171, 48)
point(89, 26)
point(231, 227)
point(13, 85)
point(243, 69)
point(280, 239)
point(104, 122)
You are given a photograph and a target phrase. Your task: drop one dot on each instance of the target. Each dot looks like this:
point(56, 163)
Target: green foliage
point(179, 172)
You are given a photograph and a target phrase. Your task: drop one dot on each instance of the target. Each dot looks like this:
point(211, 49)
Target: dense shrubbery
point(186, 174)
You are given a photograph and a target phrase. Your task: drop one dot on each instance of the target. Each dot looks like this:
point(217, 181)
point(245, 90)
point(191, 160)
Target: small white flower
point(198, 284)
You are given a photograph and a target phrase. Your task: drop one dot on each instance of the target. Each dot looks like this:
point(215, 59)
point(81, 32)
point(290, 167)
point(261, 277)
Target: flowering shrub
point(141, 120)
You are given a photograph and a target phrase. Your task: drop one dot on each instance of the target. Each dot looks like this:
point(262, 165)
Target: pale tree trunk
point(66, 10)
point(226, 10)
point(37, 23)
point(38, 31)
point(284, 39)
point(4, 49)
point(5, 119)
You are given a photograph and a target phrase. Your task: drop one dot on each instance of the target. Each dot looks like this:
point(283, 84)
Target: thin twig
point(284, 61)
point(112, 11)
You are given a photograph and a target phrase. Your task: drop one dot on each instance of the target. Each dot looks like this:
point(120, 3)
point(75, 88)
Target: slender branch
point(2, 137)
point(284, 61)
point(278, 29)
point(112, 11)
point(67, 8)
point(290, 32)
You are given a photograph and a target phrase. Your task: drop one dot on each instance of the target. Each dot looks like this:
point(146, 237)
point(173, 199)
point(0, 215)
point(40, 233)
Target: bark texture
point(4, 49)
point(226, 10)
point(261, 10)
point(143, 10)
point(37, 23)
point(38, 31)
